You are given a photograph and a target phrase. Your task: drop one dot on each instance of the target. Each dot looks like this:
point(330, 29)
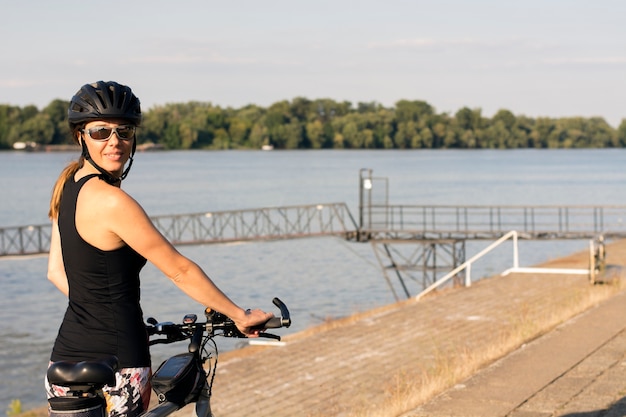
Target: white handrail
point(567, 271)
point(467, 265)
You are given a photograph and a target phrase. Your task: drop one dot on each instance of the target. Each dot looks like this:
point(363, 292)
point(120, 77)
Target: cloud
point(17, 83)
point(195, 52)
point(419, 43)
point(195, 58)
point(599, 60)
point(430, 43)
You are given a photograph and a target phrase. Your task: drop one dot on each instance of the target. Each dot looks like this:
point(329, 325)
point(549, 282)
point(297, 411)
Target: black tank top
point(103, 316)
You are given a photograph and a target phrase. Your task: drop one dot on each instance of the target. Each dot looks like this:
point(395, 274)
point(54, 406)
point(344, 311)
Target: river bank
point(388, 361)
point(37, 147)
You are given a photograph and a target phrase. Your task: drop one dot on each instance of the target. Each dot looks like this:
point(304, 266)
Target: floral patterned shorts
point(128, 398)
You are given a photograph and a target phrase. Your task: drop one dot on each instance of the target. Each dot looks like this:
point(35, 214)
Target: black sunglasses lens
point(125, 132)
point(100, 133)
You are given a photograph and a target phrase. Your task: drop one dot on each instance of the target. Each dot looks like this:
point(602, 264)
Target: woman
point(101, 238)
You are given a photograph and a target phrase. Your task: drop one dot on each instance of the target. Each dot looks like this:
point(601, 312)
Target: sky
point(538, 58)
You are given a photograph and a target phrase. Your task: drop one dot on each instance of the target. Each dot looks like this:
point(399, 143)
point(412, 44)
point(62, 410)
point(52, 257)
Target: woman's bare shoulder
point(105, 194)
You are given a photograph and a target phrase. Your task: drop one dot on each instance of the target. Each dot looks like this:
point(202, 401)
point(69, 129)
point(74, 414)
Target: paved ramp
point(364, 365)
point(579, 369)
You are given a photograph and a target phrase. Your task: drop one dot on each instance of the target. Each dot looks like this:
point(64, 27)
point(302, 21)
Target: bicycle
point(180, 380)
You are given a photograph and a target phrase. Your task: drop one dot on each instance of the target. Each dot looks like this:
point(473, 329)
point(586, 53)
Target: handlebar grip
point(285, 320)
point(277, 322)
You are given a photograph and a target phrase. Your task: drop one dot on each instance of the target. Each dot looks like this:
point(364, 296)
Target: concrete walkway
point(579, 369)
point(369, 364)
point(459, 353)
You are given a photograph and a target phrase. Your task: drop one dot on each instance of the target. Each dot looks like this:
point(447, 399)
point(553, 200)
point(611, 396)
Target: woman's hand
point(251, 324)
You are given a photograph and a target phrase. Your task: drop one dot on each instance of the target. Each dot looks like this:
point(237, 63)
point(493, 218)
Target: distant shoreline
point(35, 147)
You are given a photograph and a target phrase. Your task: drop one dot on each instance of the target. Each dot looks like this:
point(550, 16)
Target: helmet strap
point(105, 175)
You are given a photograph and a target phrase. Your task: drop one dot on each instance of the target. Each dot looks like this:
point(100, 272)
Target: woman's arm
point(56, 268)
point(129, 221)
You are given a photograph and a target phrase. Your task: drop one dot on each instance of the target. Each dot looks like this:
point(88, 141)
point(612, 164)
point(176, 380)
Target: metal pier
point(418, 244)
point(269, 223)
point(413, 243)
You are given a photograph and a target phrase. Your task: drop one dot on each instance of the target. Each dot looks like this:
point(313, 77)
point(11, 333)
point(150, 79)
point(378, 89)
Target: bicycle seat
point(83, 375)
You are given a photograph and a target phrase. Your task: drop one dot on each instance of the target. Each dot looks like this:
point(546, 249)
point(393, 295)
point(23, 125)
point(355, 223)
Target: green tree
point(427, 138)
point(412, 110)
point(259, 135)
point(278, 115)
point(372, 106)
point(539, 137)
point(238, 130)
point(9, 120)
point(57, 113)
point(407, 135)
point(602, 135)
point(38, 128)
point(349, 132)
point(506, 118)
point(621, 134)
point(300, 108)
point(315, 134)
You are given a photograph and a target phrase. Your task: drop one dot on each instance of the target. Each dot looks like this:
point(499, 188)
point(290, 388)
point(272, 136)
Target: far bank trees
point(325, 124)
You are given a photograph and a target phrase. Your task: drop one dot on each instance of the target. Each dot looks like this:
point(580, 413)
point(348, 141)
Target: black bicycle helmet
point(104, 100)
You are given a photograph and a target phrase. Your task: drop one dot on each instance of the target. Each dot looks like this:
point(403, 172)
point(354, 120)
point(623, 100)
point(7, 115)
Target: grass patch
point(408, 388)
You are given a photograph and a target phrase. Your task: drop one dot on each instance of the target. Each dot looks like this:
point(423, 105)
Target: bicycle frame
point(203, 406)
point(86, 379)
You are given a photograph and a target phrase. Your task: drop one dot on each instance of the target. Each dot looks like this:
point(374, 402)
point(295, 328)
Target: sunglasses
point(102, 133)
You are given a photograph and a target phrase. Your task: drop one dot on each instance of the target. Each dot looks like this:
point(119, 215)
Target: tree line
point(324, 124)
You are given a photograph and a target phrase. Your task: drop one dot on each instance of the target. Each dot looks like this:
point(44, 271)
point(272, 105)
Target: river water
point(318, 278)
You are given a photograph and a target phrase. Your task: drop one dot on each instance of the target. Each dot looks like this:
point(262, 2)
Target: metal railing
point(269, 223)
point(379, 222)
point(24, 240)
point(513, 235)
point(490, 222)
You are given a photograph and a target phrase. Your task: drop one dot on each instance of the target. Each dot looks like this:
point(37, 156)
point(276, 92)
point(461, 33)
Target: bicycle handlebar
point(216, 324)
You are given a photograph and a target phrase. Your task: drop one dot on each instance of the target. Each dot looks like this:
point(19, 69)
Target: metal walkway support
point(597, 262)
point(417, 264)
